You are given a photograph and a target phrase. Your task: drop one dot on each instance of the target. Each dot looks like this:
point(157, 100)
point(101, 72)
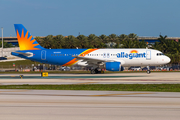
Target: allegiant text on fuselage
point(131, 55)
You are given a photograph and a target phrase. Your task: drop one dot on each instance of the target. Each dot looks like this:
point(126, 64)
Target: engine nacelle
point(114, 66)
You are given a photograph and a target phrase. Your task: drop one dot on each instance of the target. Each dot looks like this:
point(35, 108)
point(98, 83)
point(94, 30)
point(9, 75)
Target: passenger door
point(148, 54)
point(43, 55)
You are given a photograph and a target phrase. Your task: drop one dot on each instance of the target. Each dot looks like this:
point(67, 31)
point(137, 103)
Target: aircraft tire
point(96, 71)
point(148, 71)
point(93, 71)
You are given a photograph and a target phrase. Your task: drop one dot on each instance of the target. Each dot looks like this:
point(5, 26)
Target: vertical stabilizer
point(25, 39)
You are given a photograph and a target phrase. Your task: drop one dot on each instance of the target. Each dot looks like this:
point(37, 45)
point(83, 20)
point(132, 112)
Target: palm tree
point(140, 44)
point(112, 37)
point(91, 39)
point(128, 44)
point(123, 37)
point(102, 37)
point(59, 41)
point(133, 36)
point(82, 41)
point(39, 40)
point(47, 42)
point(163, 45)
point(71, 42)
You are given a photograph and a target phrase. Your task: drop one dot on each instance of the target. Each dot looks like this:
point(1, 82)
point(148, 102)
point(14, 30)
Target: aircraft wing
point(94, 61)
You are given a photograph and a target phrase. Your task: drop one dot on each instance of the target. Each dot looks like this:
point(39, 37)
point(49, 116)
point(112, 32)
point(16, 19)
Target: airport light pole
point(2, 40)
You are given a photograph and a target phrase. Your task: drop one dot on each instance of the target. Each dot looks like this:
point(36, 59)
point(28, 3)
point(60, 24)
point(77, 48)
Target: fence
point(38, 67)
point(46, 67)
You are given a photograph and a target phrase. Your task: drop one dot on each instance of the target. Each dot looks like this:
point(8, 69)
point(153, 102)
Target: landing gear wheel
point(93, 71)
point(148, 71)
point(96, 71)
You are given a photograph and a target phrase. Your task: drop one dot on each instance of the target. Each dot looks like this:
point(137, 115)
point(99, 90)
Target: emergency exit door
point(148, 54)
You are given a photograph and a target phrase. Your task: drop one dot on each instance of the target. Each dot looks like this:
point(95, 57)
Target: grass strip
point(101, 87)
point(19, 62)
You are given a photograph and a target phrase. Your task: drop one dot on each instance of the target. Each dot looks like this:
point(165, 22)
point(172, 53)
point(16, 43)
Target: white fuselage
point(129, 57)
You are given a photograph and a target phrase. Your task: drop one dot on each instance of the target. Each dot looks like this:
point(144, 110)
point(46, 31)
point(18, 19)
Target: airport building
point(7, 52)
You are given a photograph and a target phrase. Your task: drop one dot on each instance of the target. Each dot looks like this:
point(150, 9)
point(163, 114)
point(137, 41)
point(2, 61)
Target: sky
point(74, 17)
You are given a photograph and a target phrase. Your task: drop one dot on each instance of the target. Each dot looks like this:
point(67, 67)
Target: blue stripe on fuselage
point(52, 56)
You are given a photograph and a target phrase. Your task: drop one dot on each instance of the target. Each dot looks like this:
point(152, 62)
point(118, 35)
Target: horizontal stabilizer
point(21, 53)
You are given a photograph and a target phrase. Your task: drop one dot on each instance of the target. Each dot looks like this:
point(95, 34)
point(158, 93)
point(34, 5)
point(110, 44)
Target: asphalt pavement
point(116, 78)
point(88, 105)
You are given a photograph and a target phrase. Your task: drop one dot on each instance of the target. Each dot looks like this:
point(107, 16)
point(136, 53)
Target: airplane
point(97, 59)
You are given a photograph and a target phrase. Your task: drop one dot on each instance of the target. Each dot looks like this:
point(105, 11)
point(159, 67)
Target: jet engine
point(114, 66)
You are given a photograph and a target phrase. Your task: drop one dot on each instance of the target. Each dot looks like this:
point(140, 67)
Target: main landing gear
point(96, 71)
point(148, 70)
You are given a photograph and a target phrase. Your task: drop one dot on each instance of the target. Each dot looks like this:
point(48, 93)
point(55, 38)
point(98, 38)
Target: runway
point(116, 78)
point(88, 105)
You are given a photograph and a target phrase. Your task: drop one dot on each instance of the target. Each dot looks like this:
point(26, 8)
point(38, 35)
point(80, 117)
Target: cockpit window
point(160, 54)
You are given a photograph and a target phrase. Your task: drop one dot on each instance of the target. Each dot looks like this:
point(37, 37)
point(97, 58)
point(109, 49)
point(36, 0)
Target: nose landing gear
point(148, 70)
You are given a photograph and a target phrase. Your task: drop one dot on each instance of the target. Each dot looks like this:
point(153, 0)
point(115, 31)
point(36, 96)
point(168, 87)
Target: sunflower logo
point(134, 51)
point(26, 43)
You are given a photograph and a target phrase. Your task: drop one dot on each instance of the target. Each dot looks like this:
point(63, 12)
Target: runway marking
point(87, 83)
point(15, 91)
point(125, 80)
point(118, 94)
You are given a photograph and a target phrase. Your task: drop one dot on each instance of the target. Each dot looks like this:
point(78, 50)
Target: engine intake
point(114, 66)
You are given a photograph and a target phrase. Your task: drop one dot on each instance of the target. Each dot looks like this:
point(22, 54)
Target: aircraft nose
point(167, 60)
